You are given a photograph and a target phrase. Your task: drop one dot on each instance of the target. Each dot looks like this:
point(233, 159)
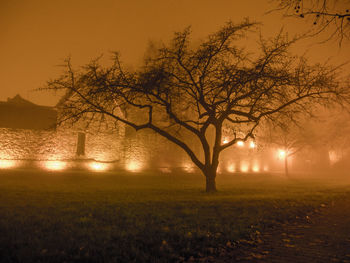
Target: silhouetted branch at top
point(182, 90)
point(331, 17)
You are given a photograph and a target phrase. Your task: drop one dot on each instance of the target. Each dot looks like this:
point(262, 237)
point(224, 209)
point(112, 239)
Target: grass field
point(80, 217)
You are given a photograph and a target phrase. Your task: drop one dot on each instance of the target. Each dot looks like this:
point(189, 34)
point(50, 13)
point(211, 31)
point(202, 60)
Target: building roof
point(18, 113)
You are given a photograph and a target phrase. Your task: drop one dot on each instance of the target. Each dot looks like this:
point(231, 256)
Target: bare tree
point(182, 91)
point(290, 136)
point(329, 16)
point(333, 132)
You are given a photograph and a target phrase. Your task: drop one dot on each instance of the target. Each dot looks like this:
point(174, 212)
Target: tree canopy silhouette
point(191, 93)
point(331, 17)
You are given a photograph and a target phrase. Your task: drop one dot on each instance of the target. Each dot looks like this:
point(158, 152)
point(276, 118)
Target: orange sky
point(36, 35)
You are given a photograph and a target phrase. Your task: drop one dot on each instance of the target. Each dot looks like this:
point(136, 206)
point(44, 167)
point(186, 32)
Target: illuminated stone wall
point(35, 144)
point(106, 147)
point(23, 144)
point(245, 157)
point(130, 150)
point(105, 142)
point(147, 150)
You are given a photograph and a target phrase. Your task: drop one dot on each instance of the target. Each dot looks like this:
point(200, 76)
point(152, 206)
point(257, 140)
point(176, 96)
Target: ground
point(321, 236)
point(127, 217)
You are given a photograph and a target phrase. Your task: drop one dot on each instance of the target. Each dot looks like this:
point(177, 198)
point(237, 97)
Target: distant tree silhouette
point(290, 136)
point(323, 130)
point(329, 16)
point(188, 93)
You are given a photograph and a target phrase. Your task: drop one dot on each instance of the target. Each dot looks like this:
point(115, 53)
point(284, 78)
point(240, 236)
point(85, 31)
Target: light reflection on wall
point(244, 167)
point(133, 166)
point(98, 167)
point(334, 157)
point(54, 165)
point(6, 164)
point(165, 169)
point(256, 168)
point(231, 168)
point(188, 167)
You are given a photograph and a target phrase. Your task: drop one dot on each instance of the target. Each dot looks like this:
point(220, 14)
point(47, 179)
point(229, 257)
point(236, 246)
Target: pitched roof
point(19, 113)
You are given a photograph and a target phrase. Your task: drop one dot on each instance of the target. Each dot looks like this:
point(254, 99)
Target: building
point(18, 113)
point(30, 137)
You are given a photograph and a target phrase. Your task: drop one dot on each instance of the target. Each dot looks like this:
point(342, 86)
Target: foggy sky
point(36, 35)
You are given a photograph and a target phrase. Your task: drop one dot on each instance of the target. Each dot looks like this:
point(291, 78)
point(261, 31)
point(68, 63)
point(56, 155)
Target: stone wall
point(24, 144)
point(124, 149)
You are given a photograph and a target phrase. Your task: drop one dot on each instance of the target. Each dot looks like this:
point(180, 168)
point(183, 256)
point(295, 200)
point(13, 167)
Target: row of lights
point(133, 166)
point(246, 167)
point(252, 144)
point(61, 165)
point(5, 164)
point(55, 165)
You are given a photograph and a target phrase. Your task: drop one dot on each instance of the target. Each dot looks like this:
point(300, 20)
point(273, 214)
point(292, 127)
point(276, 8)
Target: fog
point(38, 35)
point(317, 147)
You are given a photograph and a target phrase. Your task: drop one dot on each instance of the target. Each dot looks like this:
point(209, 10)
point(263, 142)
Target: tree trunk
point(210, 182)
point(286, 165)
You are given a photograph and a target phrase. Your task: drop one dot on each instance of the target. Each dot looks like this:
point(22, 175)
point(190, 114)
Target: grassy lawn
point(80, 217)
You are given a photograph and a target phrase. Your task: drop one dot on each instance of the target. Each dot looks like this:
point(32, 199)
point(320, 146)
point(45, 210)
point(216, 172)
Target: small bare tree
point(329, 16)
point(182, 91)
point(290, 136)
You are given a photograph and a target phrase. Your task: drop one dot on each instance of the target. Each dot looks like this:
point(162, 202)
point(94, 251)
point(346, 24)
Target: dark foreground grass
point(76, 217)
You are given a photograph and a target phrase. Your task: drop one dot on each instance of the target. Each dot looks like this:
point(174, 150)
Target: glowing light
point(252, 144)
point(244, 167)
point(6, 164)
point(165, 170)
point(231, 168)
point(282, 154)
point(98, 167)
point(256, 168)
point(333, 157)
point(188, 168)
point(240, 143)
point(225, 141)
point(133, 166)
point(55, 165)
